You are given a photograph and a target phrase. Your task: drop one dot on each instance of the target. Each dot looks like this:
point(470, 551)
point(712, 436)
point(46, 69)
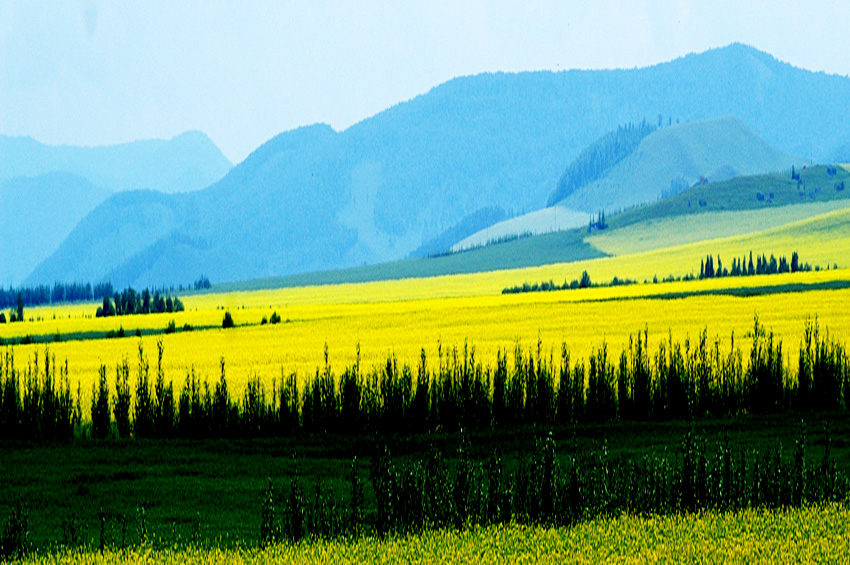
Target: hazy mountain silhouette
point(189, 161)
point(314, 199)
point(46, 190)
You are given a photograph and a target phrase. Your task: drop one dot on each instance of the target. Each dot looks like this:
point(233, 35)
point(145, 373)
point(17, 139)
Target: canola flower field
point(405, 317)
point(806, 535)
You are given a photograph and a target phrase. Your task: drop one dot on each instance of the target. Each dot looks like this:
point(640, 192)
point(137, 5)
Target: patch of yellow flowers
point(808, 535)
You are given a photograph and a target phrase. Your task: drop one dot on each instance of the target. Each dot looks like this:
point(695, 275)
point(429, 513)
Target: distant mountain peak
point(188, 161)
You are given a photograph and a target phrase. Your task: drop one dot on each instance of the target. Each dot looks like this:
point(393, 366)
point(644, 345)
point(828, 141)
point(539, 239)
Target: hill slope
point(660, 164)
point(49, 189)
point(673, 158)
point(315, 199)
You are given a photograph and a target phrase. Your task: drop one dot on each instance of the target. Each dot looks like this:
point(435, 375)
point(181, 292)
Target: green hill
point(821, 183)
point(640, 164)
point(596, 160)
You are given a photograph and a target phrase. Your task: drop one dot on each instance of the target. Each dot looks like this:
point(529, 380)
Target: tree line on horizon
point(59, 293)
point(742, 268)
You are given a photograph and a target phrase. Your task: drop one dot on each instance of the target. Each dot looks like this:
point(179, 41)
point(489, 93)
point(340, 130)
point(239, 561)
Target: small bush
point(227, 322)
point(275, 319)
point(171, 327)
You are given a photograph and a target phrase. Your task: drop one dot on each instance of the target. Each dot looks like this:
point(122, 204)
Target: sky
point(90, 72)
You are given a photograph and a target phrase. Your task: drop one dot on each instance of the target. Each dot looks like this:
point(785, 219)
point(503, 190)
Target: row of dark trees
point(574, 284)
point(59, 293)
point(77, 292)
point(36, 403)
point(16, 315)
point(742, 268)
point(678, 381)
point(145, 302)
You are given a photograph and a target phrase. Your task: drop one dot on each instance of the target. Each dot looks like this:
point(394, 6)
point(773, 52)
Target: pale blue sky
point(90, 72)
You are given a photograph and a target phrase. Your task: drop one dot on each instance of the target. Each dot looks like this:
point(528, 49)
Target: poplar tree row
point(676, 381)
point(742, 268)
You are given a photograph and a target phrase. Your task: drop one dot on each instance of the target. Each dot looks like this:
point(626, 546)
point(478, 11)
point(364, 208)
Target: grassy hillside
point(523, 252)
point(674, 158)
point(598, 158)
point(684, 229)
point(314, 199)
point(822, 241)
point(550, 219)
point(731, 209)
point(821, 183)
point(612, 174)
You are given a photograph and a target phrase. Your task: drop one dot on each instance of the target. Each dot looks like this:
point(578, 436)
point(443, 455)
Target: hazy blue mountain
point(51, 188)
point(38, 214)
point(187, 162)
point(278, 208)
point(317, 199)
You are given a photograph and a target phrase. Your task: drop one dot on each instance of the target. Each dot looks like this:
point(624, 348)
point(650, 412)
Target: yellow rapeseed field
point(405, 316)
point(810, 535)
point(583, 319)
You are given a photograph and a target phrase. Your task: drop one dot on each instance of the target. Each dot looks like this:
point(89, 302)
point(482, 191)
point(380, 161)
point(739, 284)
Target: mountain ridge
point(188, 161)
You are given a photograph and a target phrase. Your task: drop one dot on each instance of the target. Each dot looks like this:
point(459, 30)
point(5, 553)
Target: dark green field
point(214, 489)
